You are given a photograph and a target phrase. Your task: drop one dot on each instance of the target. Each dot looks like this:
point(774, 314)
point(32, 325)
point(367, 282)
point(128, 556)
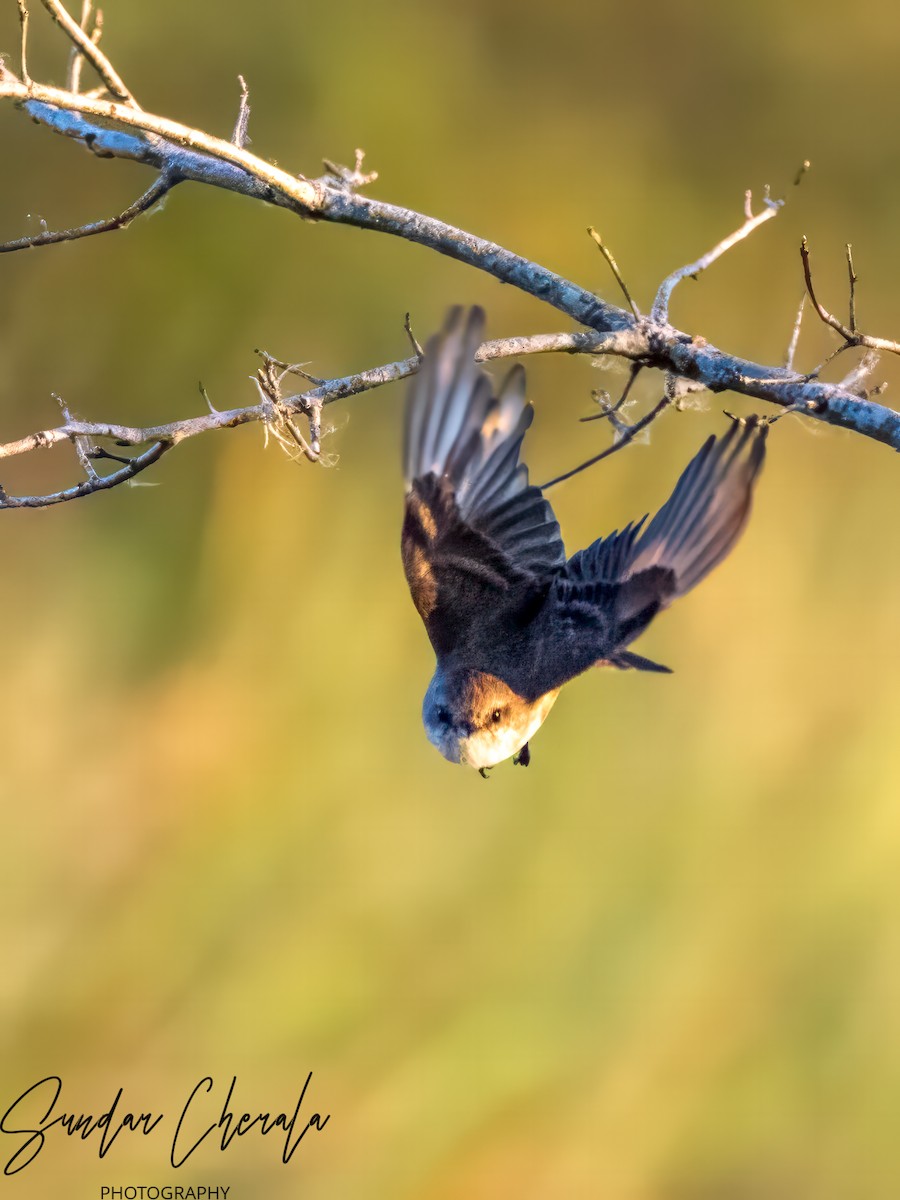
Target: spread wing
point(610, 592)
point(480, 544)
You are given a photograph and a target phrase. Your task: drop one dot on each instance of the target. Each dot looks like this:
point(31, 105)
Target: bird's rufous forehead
point(477, 689)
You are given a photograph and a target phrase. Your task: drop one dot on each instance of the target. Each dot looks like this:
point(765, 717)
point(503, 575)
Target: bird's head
point(476, 719)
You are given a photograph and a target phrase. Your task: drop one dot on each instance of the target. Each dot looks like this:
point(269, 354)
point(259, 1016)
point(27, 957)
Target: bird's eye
point(497, 716)
point(443, 715)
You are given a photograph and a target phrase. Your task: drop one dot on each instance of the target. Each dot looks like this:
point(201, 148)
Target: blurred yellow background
point(663, 962)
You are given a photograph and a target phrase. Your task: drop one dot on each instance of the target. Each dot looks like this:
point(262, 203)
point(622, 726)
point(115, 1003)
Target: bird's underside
point(510, 618)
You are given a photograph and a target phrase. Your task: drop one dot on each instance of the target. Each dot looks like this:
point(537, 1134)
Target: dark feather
point(627, 660)
point(480, 544)
point(608, 594)
point(696, 527)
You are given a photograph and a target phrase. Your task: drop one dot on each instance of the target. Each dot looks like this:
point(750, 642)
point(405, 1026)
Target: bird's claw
point(485, 772)
point(523, 757)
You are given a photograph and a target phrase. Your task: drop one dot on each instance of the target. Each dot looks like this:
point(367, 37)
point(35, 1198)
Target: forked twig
point(94, 483)
point(660, 310)
point(851, 336)
point(91, 51)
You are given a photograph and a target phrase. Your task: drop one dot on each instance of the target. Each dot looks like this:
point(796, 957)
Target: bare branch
point(628, 343)
point(118, 128)
point(660, 310)
point(211, 160)
point(795, 393)
point(273, 407)
point(64, 112)
point(276, 411)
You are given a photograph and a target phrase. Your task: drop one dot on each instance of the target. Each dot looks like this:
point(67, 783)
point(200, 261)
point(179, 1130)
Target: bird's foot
point(485, 772)
point(523, 757)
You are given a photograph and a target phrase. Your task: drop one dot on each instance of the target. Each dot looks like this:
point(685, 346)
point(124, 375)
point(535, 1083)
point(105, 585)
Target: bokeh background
point(664, 962)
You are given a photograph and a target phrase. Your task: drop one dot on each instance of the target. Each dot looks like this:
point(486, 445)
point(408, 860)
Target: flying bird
point(510, 618)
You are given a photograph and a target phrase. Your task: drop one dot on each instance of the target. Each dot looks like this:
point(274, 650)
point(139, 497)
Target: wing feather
point(608, 594)
point(696, 527)
point(480, 544)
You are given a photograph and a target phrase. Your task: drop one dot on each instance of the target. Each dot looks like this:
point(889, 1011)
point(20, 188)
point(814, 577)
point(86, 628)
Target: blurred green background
point(664, 962)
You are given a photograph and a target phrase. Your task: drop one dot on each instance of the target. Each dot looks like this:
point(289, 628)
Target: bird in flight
point(510, 618)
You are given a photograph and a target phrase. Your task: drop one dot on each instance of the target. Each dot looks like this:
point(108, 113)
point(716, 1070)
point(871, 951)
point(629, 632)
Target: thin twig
point(287, 368)
point(851, 336)
point(795, 335)
point(239, 136)
point(853, 279)
point(610, 412)
point(91, 51)
point(76, 58)
point(613, 266)
point(99, 483)
point(277, 417)
point(84, 447)
point(154, 193)
point(660, 310)
point(349, 179)
point(23, 52)
point(629, 433)
point(416, 348)
point(801, 171)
